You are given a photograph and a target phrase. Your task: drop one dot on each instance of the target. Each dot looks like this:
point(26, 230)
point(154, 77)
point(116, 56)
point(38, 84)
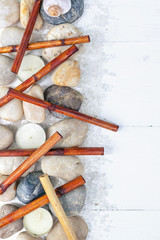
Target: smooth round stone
point(6, 138)
point(26, 236)
point(30, 65)
point(26, 7)
point(72, 130)
point(67, 74)
point(13, 227)
point(79, 227)
point(76, 11)
point(10, 193)
point(30, 135)
point(9, 12)
point(9, 164)
point(38, 222)
point(30, 187)
point(60, 32)
point(33, 113)
point(13, 110)
point(13, 36)
point(64, 97)
point(6, 76)
point(64, 167)
point(72, 202)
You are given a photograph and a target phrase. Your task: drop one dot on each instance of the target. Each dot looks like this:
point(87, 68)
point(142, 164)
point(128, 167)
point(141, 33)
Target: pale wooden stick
point(48, 188)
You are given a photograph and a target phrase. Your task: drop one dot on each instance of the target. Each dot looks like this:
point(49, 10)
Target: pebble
point(64, 167)
point(10, 193)
point(9, 164)
point(30, 187)
point(32, 112)
point(6, 76)
point(79, 227)
point(13, 110)
point(67, 74)
point(76, 11)
point(9, 12)
point(13, 36)
point(26, 7)
point(72, 130)
point(60, 32)
point(6, 138)
point(64, 97)
point(26, 236)
point(13, 227)
point(72, 202)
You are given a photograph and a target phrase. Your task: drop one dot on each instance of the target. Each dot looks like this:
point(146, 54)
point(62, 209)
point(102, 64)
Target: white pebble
point(6, 76)
point(6, 137)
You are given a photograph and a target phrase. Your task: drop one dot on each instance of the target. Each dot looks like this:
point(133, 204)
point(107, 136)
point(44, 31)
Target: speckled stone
point(76, 11)
point(13, 227)
point(31, 188)
point(73, 201)
point(64, 97)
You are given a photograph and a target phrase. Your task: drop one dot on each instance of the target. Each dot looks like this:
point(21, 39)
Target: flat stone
point(10, 193)
point(30, 187)
point(6, 138)
point(32, 112)
point(79, 227)
point(26, 236)
point(9, 164)
point(6, 76)
point(76, 11)
point(13, 227)
point(64, 97)
point(72, 130)
point(64, 167)
point(72, 202)
point(13, 110)
point(67, 74)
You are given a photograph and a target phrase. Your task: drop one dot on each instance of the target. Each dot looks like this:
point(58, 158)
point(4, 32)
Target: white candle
point(29, 66)
point(30, 135)
point(38, 222)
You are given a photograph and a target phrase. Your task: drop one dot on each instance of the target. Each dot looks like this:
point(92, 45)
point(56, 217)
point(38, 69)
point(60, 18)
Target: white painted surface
point(121, 82)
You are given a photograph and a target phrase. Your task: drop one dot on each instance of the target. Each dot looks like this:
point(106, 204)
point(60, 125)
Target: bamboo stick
point(54, 152)
point(71, 113)
point(47, 44)
point(41, 73)
point(21, 212)
point(30, 161)
point(26, 37)
point(51, 194)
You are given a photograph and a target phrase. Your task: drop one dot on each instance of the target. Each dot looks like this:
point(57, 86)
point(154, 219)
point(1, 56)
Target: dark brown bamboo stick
point(35, 156)
point(71, 113)
point(54, 152)
point(26, 37)
point(21, 212)
point(41, 73)
point(47, 44)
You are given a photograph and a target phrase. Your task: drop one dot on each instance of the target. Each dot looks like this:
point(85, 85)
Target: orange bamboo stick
point(21, 212)
point(41, 151)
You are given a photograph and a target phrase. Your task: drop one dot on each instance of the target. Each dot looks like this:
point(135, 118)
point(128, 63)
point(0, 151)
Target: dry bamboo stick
point(21, 212)
point(30, 161)
point(26, 37)
point(41, 73)
point(47, 44)
point(54, 152)
point(71, 113)
point(57, 207)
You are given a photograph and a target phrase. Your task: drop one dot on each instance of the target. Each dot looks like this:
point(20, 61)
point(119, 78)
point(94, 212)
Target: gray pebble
point(73, 201)
point(64, 97)
point(76, 11)
point(13, 227)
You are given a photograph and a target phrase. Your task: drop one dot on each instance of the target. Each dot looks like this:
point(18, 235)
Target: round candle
point(30, 135)
point(29, 66)
point(38, 222)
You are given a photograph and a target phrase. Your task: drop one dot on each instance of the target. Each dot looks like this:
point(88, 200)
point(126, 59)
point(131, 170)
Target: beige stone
point(6, 137)
point(26, 236)
point(10, 193)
